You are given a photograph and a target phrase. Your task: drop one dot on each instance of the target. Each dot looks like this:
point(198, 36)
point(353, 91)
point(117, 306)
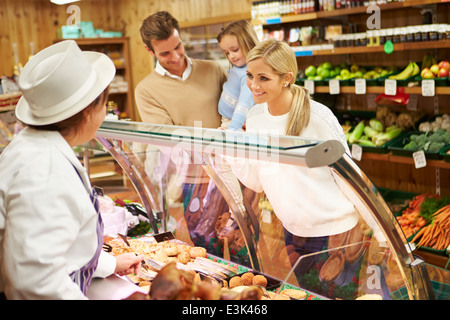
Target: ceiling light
point(63, 1)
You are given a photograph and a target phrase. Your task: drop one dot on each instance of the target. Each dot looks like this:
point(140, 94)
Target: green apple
point(344, 73)
point(317, 78)
point(310, 71)
point(327, 65)
point(319, 69)
point(354, 68)
point(324, 73)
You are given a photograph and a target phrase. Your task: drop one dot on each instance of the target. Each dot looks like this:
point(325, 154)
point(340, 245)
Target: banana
point(406, 73)
point(416, 69)
point(428, 60)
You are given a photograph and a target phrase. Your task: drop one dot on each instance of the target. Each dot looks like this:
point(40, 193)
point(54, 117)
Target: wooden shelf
point(350, 11)
point(215, 20)
point(379, 90)
point(398, 47)
point(389, 157)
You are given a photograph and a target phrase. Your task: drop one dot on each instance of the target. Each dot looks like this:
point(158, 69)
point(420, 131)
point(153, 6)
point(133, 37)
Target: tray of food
point(430, 142)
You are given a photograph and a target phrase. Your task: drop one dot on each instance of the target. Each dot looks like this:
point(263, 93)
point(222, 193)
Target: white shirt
point(307, 201)
point(47, 220)
point(159, 69)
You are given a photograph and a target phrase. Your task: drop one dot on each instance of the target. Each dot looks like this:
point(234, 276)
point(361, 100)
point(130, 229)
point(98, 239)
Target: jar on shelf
point(442, 30)
point(396, 35)
point(410, 34)
point(382, 36)
point(402, 34)
point(433, 34)
point(389, 34)
point(349, 40)
point(338, 41)
point(425, 32)
point(362, 39)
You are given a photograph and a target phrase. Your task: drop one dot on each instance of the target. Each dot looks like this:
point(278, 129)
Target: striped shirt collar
point(159, 69)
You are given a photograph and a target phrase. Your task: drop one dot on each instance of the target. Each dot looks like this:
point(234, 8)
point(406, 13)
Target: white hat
point(60, 81)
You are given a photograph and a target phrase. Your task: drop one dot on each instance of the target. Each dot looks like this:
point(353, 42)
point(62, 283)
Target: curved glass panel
point(238, 194)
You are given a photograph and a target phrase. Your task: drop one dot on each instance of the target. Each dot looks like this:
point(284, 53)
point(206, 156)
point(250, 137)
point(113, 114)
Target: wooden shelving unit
point(350, 11)
point(116, 46)
point(389, 157)
point(380, 89)
point(408, 46)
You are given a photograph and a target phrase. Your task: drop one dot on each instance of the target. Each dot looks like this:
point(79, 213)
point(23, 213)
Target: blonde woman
point(307, 201)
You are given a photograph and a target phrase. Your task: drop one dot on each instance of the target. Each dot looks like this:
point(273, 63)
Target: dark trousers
point(298, 247)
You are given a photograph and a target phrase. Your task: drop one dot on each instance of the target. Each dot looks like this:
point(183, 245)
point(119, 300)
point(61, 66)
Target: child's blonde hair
point(244, 32)
point(281, 58)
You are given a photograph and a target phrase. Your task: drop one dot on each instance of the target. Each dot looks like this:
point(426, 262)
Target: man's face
point(170, 53)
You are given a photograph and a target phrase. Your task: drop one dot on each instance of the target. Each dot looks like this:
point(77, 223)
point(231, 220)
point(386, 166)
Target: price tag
point(309, 85)
point(334, 86)
point(419, 159)
point(356, 152)
point(428, 88)
point(360, 86)
point(390, 87)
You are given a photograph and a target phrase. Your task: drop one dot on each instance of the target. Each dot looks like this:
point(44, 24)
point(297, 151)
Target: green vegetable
point(390, 128)
point(365, 142)
point(357, 132)
point(431, 205)
point(430, 142)
point(376, 124)
point(412, 145)
point(142, 228)
point(382, 138)
point(435, 146)
point(370, 132)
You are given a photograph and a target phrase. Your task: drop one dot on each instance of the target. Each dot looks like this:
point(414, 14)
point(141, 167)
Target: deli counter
point(194, 184)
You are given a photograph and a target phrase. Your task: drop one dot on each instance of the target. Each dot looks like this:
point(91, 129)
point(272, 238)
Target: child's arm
point(245, 102)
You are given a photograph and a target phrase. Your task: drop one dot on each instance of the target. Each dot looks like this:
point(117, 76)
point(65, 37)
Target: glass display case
point(235, 193)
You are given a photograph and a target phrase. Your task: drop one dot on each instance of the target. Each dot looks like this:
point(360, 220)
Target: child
point(236, 40)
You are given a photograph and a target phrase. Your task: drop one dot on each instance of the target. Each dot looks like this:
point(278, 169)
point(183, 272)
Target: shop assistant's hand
point(128, 263)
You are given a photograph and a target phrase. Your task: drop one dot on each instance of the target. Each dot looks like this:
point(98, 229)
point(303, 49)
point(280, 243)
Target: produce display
point(343, 71)
point(427, 221)
point(442, 122)
point(430, 141)
point(428, 68)
point(410, 70)
point(432, 69)
point(372, 133)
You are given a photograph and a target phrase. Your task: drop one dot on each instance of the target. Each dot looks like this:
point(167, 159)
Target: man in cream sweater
point(183, 92)
point(180, 91)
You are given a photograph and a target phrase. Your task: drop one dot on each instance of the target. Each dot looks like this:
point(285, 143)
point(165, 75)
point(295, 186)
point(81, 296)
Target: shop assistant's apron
point(83, 276)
